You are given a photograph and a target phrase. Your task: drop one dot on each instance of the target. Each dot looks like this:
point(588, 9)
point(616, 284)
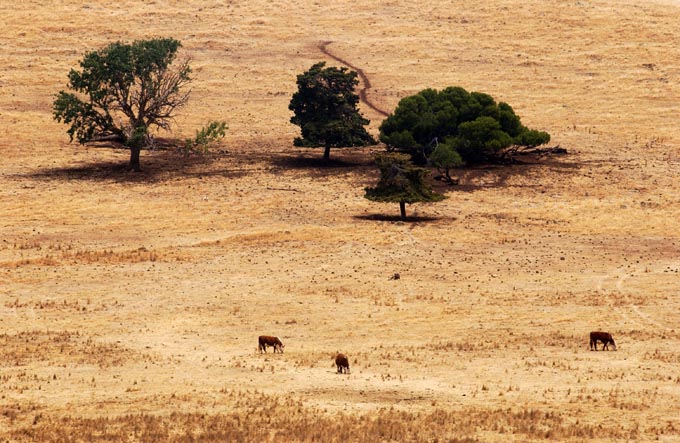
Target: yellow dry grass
point(131, 303)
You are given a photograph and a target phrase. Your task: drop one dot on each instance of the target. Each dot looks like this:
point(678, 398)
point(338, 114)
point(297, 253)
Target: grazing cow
point(267, 340)
point(342, 362)
point(604, 337)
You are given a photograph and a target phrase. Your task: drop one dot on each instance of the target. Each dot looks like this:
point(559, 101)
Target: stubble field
point(130, 303)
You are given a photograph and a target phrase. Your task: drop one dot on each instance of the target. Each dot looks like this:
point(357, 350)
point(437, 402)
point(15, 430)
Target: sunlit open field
point(131, 303)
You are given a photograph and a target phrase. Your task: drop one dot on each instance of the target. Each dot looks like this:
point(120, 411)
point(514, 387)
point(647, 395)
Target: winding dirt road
point(363, 92)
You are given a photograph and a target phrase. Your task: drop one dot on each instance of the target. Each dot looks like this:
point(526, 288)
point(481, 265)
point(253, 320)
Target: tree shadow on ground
point(168, 164)
point(314, 164)
point(297, 162)
point(157, 166)
point(397, 218)
point(495, 176)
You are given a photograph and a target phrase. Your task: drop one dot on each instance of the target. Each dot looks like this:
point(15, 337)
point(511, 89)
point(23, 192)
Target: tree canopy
point(401, 182)
point(471, 124)
point(122, 91)
point(325, 108)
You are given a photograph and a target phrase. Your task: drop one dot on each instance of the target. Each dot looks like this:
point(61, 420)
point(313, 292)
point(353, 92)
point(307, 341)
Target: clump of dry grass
point(263, 418)
point(17, 413)
point(510, 340)
point(59, 305)
point(663, 356)
point(60, 257)
point(60, 347)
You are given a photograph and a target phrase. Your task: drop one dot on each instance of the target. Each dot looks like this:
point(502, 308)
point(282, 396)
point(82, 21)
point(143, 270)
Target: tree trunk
point(402, 208)
point(451, 180)
point(327, 154)
point(134, 158)
point(135, 142)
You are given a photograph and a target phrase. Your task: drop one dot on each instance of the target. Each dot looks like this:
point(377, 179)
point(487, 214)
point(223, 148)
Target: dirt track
point(365, 82)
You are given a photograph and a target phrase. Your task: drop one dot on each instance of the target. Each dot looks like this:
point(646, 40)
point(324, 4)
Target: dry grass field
point(130, 303)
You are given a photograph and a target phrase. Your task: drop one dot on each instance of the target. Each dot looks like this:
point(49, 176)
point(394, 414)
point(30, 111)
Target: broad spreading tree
point(122, 92)
point(325, 108)
point(401, 182)
point(470, 124)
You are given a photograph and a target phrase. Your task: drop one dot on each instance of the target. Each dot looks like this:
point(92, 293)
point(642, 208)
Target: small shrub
point(206, 138)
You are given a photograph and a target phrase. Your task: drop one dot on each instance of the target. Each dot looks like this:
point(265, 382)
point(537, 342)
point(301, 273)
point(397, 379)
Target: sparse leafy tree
point(325, 108)
point(123, 91)
point(401, 182)
point(469, 123)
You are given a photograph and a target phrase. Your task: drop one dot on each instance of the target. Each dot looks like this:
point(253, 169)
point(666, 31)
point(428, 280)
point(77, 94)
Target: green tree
point(325, 108)
point(122, 91)
point(401, 182)
point(469, 123)
point(444, 158)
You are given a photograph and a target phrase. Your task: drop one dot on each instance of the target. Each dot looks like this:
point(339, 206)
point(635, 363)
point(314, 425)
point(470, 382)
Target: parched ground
point(130, 304)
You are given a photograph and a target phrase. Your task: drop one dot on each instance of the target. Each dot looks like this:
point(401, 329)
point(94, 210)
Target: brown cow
point(604, 337)
point(268, 340)
point(342, 362)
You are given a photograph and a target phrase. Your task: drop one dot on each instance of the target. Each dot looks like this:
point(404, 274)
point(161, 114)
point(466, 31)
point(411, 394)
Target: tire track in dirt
point(363, 93)
point(649, 319)
point(635, 315)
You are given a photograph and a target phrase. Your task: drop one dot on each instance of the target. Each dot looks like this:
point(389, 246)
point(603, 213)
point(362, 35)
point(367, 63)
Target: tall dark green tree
point(470, 123)
point(123, 91)
point(325, 108)
point(401, 182)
